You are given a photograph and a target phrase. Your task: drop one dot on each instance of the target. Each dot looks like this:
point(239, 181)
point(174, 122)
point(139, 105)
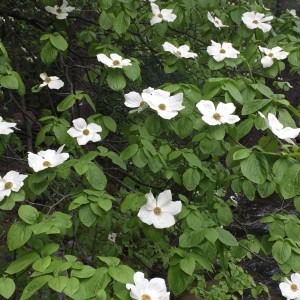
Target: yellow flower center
point(294, 287)
point(8, 185)
point(162, 106)
point(178, 53)
point(157, 210)
point(59, 10)
point(217, 116)
point(160, 16)
point(270, 54)
point(47, 79)
point(116, 63)
point(142, 103)
point(86, 132)
point(255, 22)
point(145, 297)
point(222, 51)
point(47, 163)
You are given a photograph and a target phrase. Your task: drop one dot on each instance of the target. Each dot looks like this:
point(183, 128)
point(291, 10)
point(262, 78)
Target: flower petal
point(206, 108)
point(145, 215)
point(79, 124)
point(225, 109)
point(164, 198)
point(164, 220)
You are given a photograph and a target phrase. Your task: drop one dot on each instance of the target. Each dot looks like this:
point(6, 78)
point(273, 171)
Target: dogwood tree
point(159, 122)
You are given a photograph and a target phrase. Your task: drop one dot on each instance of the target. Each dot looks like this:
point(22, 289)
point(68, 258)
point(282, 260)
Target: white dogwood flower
point(284, 133)
point(161, 15)
point(291, 288)
point(160, 212)
point(181, 51)
point(46, 159)
point(11, 182)
point(53, 82)
point(84, 132)
point(254, 20)
point(143, 289)
point(292, 12)
point(217, 116)
point(221, 51)
point(166, 106)
point(216, 21)
point(6, 127)
point(62, 11)
point(115, 60)
point(271, 54)
point(134, 99)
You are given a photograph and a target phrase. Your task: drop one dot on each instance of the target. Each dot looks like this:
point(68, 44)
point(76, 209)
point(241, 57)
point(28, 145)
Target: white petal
point(93, 128)
point(56, 84)
point(43, 76)
point(133, 99)
point(206, 108)
point(155, 20)
point(225, 109)
point(79, 124)
point(151, 201)
point(158, 285)
point(230, 119)
point(274, 122)
point(145, 215)
point(163, 198)
point(164, 220)
point(167, 114)
point(115, 56)
point(73, 132)
point(104, 59)
point(265, 27)
point(267, 61)
point(173, 207)
point(83, 139)
point(288, 132)
point(35, 162)
point(155, 9)
point(211, 121)
point(169, 47)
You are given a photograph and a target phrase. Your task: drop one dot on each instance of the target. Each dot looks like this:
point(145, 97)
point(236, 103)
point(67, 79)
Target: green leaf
point(38, 182)
point(58, 283)
point(72, 286)
point(9, 82)
point(106, 20)
point(183, 127)
point(58, 41)
point(129, 151)
point(233, 91)
point(241, 154)
point(133, 72)
point(133, 201)
point(85, 272)
point(281, 251)
point(28, 214)
point(115, 158)
point(116, 80)
point(191, 239)
point(188, 265)
point(48, 53)
point(294, 58)
point(249, 189)
point(10, 201)
point(255, 168)
point(121, 273)
point(226, 237)
point(96, 177)
point(7, 287)
point(18, 234)
point(42, 264)
point(110, 123)
point(178, 280)
point(34, 286)
point(255, 105)
point(22, 263)
point(290, 182)
point(86, 216)
point(191, 179)
point(121, 23)
point(68, 102)
point(109, 260)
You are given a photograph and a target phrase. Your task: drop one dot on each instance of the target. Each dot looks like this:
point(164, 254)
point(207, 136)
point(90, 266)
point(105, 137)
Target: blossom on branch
point(271, 54)
point(166, 106)
point(135, 100)
point(143, 289)
point(160, 212)
point(181, 51)
point(216, 21)
point(84, 132)
point(53, 82)
point(257, 20)
point(221, 51)
point(6, 127)
point(62, 11)
point(161, 15)
point(284, 133)
point(11, 182)
point(46, 159)
point(217, 116)
point(115, 60)
point(291, 288)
